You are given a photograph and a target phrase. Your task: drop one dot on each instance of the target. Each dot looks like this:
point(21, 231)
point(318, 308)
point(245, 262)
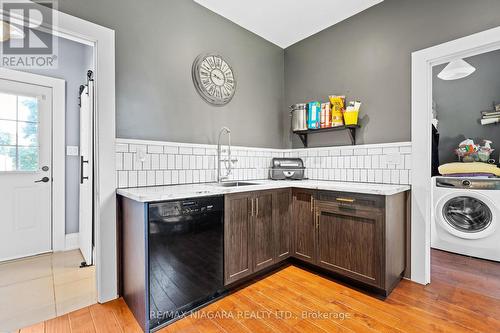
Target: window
point(19, 144)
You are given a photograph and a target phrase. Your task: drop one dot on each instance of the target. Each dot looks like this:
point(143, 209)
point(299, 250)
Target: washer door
point(467, 215)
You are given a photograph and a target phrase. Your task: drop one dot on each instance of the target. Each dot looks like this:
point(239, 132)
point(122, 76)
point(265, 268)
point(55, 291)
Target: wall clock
point(214, 79)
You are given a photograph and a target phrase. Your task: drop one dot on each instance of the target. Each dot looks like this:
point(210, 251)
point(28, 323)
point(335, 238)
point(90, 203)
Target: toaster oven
point(287, 168)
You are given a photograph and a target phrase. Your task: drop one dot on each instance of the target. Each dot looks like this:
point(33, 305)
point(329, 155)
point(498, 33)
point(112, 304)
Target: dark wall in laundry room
point(458, 104)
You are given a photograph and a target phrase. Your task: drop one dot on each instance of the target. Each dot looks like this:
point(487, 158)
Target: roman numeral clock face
point(214, 79)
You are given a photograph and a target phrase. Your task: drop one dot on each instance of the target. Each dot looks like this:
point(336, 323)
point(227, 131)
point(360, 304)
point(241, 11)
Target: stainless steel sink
point(234, 184)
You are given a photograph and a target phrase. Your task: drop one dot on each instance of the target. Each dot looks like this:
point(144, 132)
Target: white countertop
point(176, 192)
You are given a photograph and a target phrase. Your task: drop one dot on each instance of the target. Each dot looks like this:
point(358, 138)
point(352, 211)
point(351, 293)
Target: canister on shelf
point(299, 116)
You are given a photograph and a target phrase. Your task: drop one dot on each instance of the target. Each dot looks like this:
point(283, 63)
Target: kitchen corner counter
point(176, 192)
point(245, 232)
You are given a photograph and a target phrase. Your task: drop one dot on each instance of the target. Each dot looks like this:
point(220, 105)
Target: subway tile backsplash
point(167, 163)
point(148, 163)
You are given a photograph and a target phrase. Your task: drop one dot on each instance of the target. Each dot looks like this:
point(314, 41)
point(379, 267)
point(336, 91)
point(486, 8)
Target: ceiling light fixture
point(9, 31)
point(457, 69)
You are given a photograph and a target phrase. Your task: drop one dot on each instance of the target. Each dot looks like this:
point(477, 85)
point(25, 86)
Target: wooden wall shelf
point(351, 130)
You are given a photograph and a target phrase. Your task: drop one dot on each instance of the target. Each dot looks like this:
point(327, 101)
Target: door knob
point(43, 180)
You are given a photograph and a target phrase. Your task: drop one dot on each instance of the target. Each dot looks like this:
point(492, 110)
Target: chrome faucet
point(227, 161)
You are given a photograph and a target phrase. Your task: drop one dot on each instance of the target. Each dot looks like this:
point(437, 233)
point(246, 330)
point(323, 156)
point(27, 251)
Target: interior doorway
point(423, 208)
point(48, 188)
point(58, 141)
point(102, 40)
point(465, 198)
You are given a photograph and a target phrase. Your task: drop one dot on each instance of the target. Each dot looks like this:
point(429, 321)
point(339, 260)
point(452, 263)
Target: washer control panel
point(469, 183)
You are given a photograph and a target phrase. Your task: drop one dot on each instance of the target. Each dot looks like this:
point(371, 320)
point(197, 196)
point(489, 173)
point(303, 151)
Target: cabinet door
point(237, 232)
point(304, 231)
point(282, 206)
point(350, 241)
point(263, 236)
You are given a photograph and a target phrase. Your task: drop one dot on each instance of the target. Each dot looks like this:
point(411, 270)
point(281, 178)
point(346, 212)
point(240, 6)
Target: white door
point(86, 181)
point(25, 169)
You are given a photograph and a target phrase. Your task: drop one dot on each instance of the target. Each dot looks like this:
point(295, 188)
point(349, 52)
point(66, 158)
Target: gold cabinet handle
point(345, 200)
point(252, 208)
point(256, 207)
point(317, 221)
point(312, 203)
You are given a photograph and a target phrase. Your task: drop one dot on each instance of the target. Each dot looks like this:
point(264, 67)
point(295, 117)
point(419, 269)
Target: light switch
point(72, 151)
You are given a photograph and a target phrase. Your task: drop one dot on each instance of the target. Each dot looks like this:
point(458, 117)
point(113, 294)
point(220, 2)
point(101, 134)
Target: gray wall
point(156, 43)
point(459, 102)
point(74, 59)
point(368, 57)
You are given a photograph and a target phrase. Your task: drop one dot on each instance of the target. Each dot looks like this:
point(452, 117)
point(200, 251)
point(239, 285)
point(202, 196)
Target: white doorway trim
point(422, 63)
point(58, 148)
point(103, 41)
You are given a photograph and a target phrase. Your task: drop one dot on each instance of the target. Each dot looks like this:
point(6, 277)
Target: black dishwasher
point(186, 256)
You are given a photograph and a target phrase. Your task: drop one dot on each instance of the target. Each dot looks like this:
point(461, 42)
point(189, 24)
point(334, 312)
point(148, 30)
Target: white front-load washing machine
point(465, 216)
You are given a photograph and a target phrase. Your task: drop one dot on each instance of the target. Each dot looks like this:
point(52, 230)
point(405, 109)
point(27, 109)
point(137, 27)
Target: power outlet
point(393, 158)
point(141, 154)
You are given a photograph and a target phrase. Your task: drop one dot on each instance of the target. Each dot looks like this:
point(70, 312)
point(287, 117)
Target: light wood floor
point(464, 296)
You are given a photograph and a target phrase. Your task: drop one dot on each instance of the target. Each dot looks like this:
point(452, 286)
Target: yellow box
point(351, 117)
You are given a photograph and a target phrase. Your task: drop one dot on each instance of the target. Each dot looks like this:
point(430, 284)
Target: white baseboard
point(71, 242)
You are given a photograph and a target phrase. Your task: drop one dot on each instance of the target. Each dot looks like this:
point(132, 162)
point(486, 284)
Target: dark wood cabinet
point(282, 222)
point(237, 237)
point(263, 245)
point(304, 230)
point(358, 236)
point(349, 241)
point(256, 232)
point(362, 236)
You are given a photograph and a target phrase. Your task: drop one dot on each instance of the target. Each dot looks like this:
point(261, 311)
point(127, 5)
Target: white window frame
point(17, 146)
point(421, 110)
point(103, 41)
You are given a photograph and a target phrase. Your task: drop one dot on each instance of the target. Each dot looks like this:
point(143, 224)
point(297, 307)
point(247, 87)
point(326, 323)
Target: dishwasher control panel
point(186, 207)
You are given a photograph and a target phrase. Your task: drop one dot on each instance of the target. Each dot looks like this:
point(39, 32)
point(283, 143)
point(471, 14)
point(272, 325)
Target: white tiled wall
point(148, 163)
point(377, 163)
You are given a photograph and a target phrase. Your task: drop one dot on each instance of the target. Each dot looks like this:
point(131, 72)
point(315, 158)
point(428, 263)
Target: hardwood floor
point(464, 296)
